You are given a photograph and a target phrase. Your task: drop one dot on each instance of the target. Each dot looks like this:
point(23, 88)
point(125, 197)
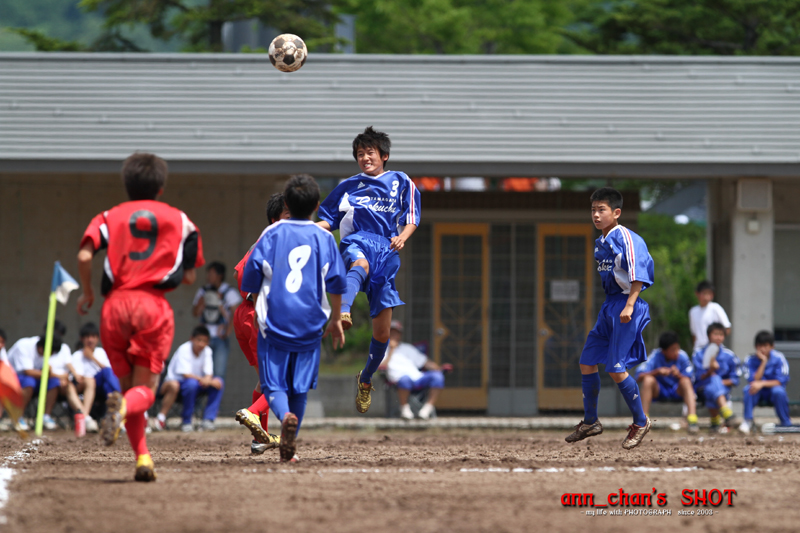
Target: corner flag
point(60, 288)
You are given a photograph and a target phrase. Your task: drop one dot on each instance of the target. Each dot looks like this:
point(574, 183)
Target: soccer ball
point(287, 52)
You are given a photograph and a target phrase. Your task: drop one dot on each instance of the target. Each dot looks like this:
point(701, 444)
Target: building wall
point(42, 219)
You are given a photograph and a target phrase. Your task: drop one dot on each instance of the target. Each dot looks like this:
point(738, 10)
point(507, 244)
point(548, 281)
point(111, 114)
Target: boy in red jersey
point(151, 249)
point(256, 416)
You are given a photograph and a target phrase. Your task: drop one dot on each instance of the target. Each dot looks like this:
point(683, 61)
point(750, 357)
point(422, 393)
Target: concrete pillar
point(752, 276)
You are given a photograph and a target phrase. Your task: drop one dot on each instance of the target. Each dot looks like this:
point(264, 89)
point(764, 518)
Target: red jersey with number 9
point(150, 244)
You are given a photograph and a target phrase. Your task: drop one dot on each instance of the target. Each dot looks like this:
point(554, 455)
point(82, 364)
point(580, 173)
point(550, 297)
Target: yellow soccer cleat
point(111, 424)
point(252, 421)
point(347, 321)
point(145, 469)
point(364, 395)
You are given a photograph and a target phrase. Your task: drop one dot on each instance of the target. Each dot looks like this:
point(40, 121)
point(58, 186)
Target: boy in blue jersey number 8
point(626, 269)
point(376, 212)
point(292, 266)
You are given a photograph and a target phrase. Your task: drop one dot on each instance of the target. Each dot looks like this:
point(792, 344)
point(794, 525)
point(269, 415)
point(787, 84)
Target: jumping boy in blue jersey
point(716, 370)
point(376, 212)
point(289, 271)
point(626, 269)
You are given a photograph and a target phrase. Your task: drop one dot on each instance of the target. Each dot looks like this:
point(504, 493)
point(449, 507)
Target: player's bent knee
point(778, 392)
point(437, 380)
point(361, 263)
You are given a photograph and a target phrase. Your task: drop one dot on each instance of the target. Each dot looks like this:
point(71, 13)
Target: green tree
point(460, 26)
point(687, 27)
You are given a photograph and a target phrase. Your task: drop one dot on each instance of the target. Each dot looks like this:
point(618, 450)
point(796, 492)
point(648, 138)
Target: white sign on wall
point(565, 290)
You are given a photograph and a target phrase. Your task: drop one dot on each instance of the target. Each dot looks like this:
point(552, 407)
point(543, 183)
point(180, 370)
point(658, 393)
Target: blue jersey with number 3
point(375, 204)
point(292, 266)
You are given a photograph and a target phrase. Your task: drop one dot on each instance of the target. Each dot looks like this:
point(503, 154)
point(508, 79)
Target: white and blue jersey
point(668, 385)
point(777, 368)
point(292, 266)
point(380, 205)
point(622, 258)
point(711, 387)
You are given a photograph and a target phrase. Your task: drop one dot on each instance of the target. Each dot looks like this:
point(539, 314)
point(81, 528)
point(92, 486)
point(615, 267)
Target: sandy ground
point(426, 481)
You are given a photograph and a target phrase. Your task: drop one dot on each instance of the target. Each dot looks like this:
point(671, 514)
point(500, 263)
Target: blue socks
point(355, 280)
point(377, 351)
point(590, 383)
point(297, 405)
point(630, 391)
point(279, 403)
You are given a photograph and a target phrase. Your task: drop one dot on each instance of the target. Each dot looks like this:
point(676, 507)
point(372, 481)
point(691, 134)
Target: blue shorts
point(26, 381)
point(710, 389)
point(383, 266)
point(292, 372)
point(667, 392)
point(614, 344)
point(432, 378)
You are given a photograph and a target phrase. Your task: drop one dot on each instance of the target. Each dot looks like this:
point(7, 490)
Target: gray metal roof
point(447, 115)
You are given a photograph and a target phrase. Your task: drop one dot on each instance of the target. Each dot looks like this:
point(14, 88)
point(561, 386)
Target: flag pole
point(48, 348)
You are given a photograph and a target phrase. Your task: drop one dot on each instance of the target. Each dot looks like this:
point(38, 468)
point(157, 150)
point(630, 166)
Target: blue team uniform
point(368, 211)
point(667, 385)
point(292, 266)
point(622, 258)
point(777, 368)
point(711, 387)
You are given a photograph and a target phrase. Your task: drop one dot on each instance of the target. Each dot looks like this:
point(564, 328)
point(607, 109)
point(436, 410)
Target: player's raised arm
point(85, 255)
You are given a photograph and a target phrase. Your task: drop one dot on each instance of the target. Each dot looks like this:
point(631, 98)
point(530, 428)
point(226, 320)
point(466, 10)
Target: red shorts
point(137, 328)
point(244, 324)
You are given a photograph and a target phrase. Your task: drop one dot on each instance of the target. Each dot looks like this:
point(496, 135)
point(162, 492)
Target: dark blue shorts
point(292, 372)
point(616, 345)
point(667, 392)
point(26, 381)
point(383, 266)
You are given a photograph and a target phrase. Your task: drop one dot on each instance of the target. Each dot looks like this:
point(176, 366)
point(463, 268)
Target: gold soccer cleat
point(364, 395)
point(145, 469)
point(347, 321)
point(252, 422)
point(636, 435)
point(111, 424)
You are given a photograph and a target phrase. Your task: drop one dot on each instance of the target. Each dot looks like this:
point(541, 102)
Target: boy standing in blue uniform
point(289, 271)
point(715, 375)
point(376, 212)
point(626, 269)
point(767, 374)
point(667, 376)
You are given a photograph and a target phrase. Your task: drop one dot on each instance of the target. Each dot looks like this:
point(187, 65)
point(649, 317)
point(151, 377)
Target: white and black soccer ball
point(287, 52)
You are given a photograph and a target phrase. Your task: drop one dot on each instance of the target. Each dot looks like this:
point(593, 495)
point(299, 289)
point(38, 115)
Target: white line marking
point(6, 472)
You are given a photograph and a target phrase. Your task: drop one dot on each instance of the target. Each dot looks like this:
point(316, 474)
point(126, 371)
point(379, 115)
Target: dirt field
point(399, 481)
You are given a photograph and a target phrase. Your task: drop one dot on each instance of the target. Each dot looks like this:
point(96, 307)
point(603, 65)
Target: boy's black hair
point(608, 195)
point(3, 334)
point(89, 329)
point(144, 175)
point(716, 326)
point(275, 206)
point(56, 343)
point(201, 330)
point(667, 339)
point(58, 328)
point(217, 267)
point(372, 139)
point(301, 195)
point(765, 337)
point(704, 285)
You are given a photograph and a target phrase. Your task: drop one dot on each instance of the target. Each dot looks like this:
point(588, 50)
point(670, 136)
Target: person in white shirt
point(91, 372)
point(190, 373)
point(410, 369)
point(706, 313)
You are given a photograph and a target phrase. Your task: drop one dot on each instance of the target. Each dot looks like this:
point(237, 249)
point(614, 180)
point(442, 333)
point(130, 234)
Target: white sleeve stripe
point(630, 255)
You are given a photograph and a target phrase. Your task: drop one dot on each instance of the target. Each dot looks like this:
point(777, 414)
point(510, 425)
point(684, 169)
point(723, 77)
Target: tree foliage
point(460, 26)
point(687, 27)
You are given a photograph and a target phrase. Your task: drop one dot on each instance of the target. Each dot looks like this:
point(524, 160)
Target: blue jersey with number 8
point(375, 204)
point(292, 266)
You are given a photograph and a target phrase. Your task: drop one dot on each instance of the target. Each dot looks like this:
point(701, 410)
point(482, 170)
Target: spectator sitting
point(717, 369)
point(91, 372)
point(191, 372)
point(767, 373)
point(405, 365)
point(667, 376)
point(26, 357)
point(704, 314)
point(215, 303)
